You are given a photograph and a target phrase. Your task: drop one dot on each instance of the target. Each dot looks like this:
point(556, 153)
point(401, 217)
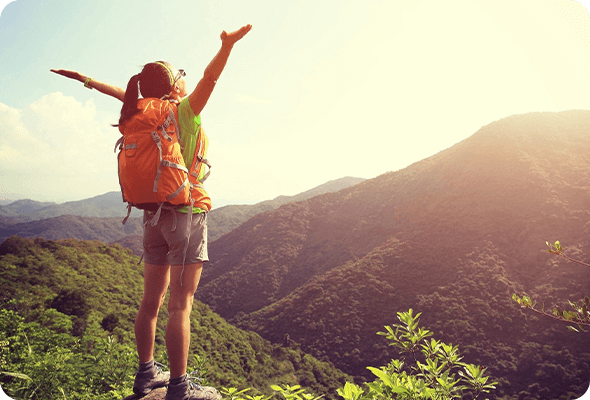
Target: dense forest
point(335, 316)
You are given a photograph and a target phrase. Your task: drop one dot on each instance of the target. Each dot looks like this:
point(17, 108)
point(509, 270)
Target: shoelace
point(159, 366)
point(191, 377)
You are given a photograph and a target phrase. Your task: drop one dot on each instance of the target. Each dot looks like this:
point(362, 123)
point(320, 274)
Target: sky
point(317, 91)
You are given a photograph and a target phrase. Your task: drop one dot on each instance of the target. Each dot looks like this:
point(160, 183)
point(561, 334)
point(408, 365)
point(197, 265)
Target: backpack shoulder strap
point(171, 119)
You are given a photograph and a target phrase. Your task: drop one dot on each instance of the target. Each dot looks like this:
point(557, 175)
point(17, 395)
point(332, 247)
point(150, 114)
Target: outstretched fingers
point(233, 37)
point(68, 74)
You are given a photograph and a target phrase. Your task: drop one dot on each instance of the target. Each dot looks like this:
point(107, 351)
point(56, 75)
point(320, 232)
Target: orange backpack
point(151, 166)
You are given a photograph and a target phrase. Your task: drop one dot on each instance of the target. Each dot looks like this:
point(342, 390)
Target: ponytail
point(129, 108)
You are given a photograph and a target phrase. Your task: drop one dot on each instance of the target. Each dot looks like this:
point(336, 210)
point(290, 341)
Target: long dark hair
point(154, 80)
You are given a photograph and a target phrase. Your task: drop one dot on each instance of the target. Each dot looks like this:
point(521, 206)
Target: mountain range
point(99, 218)
point(452, 236)
point(103, 206)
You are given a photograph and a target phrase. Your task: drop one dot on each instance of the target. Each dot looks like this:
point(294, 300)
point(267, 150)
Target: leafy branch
point(558, 250)
point(580, 313)
point(295, 392)
point(235, 394)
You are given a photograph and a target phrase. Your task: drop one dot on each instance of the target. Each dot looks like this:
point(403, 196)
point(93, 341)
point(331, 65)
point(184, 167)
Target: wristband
point(86, 85)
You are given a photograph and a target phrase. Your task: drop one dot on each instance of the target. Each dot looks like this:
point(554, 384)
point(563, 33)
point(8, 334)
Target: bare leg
point(156, 279)
point(179, 311)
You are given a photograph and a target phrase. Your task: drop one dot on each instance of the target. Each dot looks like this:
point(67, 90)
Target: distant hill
point(453, 235)
point(9, 198)
point(22, 207)
point(100, 217)
point(111, 205)
point(106, 230)
point(103, 206)
point(225, 219)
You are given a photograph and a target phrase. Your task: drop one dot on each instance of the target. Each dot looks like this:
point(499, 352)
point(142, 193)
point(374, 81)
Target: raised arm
point(199, 97)
point(110, 90)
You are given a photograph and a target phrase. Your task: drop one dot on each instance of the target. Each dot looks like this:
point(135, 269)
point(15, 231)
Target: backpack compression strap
point(166, 163)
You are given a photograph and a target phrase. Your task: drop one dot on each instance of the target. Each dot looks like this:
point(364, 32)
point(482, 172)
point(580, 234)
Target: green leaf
point(398, 389)
point(350, 391)
point(16, 375)
point(381, 375)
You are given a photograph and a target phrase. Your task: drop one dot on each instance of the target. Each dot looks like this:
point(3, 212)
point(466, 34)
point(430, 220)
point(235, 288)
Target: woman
point(165, 244)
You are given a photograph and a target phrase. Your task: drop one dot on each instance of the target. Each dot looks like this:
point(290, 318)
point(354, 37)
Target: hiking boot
point(146, 381)
point(188, 390)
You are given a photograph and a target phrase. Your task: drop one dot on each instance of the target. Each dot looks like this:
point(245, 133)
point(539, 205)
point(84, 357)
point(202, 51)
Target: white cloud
point(10, 156)
point(55, 150)
point(17, 141)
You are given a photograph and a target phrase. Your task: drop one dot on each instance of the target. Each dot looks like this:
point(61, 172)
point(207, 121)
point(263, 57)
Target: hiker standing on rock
point(174, 238)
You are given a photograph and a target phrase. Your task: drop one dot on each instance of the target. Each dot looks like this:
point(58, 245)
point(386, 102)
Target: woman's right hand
point(110, 90)
point(69, 74)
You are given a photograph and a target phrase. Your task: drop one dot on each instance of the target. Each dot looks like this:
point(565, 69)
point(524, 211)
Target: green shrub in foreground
point(434, 371)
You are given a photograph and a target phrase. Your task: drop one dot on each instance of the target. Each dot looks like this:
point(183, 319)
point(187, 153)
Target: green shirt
point(189, 125)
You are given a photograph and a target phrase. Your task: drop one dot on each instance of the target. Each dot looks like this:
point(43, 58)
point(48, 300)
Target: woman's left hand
point(233, 37)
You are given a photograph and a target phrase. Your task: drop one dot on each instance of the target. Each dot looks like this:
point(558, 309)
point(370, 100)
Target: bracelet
point(86, 85)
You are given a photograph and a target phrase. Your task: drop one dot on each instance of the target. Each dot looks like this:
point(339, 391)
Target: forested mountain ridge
point(478, 213)
point(78, 293)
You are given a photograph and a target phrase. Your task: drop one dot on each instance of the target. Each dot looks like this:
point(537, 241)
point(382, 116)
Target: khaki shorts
point(162, 245)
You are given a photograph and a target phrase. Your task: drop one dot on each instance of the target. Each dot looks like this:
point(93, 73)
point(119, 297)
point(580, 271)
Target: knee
point(152, 306)
point(180, 303)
